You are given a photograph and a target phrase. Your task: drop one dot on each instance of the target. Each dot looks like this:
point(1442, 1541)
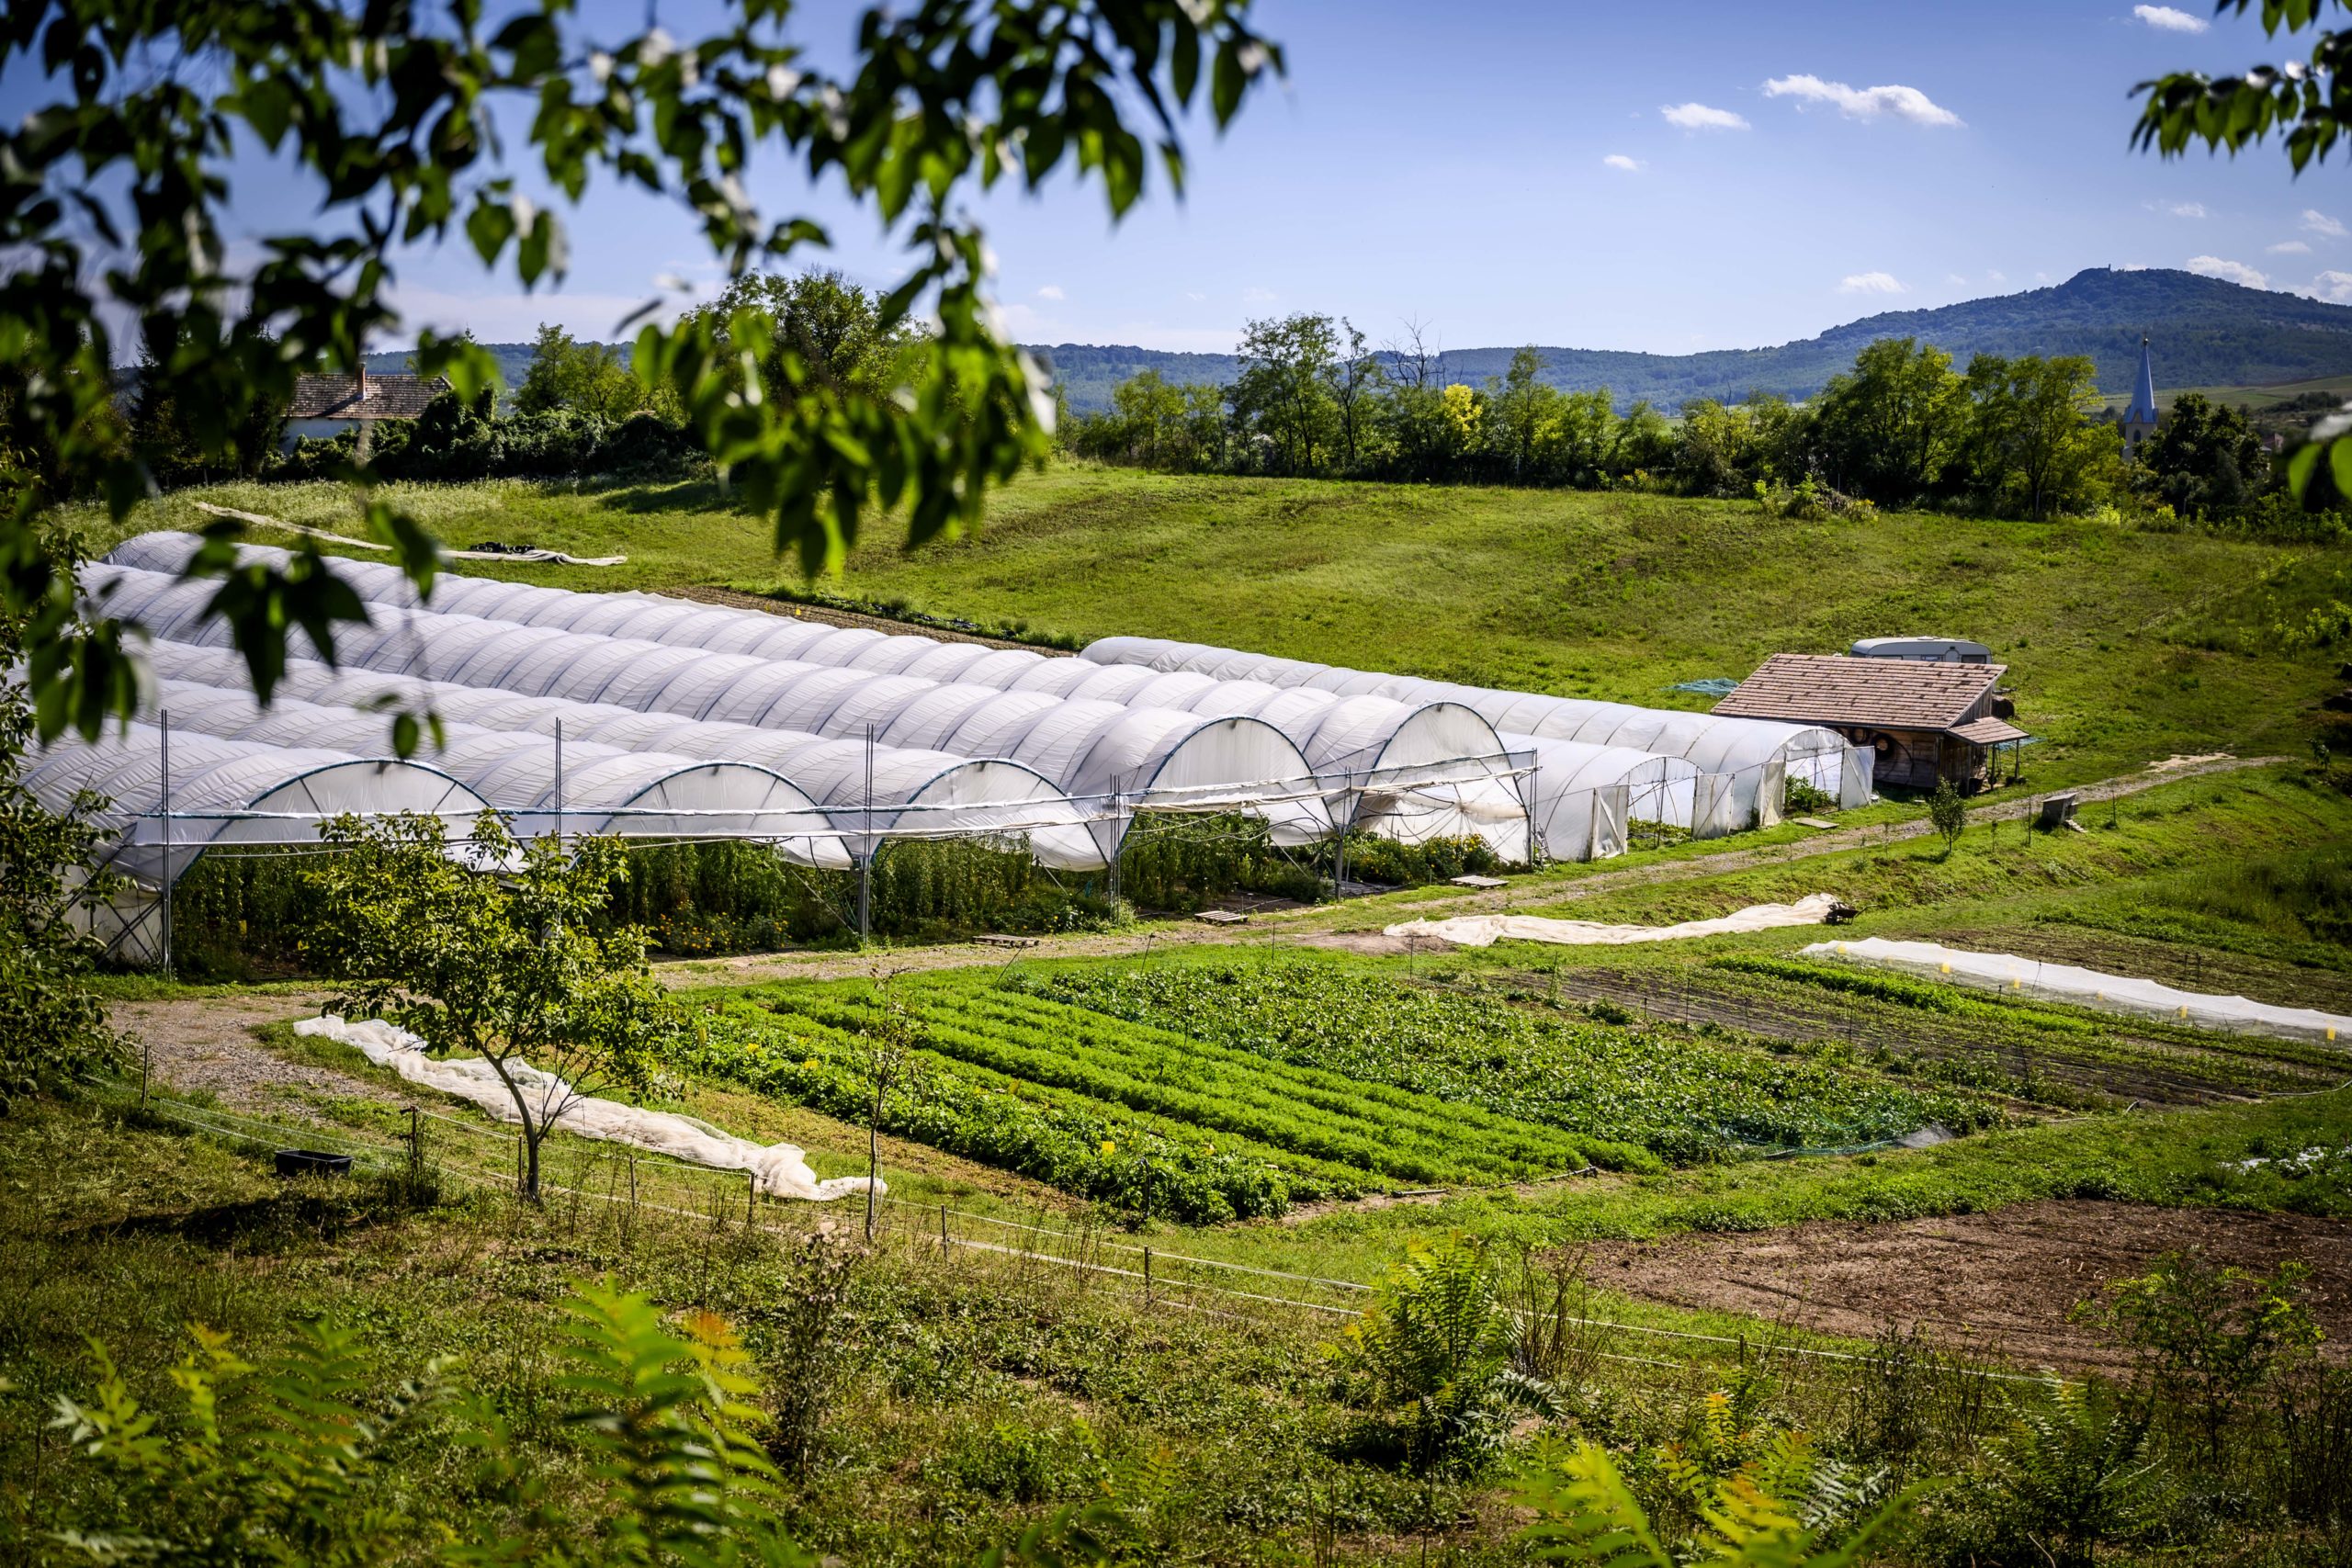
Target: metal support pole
point(167, 717)
point(752, 1207)
point(943, 1228)
point(1146, 1276)
point(415, 1146)
point(865, 851)
point(559, 783)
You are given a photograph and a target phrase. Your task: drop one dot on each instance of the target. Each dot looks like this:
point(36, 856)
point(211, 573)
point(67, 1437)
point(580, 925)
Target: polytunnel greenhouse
point(173, 797)
point(1756, 756)
point(1410, 771)
point(913, 794)
point(1404, 771)
point(579, 787)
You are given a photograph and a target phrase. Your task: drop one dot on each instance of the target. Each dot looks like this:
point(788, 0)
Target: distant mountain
point(2207, 334)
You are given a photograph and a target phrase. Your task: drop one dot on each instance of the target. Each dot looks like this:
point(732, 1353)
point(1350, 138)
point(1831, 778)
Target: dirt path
point(2000, 1284)
point(205, 1043)
point(1312, 926)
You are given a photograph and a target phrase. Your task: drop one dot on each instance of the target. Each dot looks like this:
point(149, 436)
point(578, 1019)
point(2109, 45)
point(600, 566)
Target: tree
point(1150, 412)
point(2204, 458)
point(1948, 814)
point(1283, 393)
point(820, 328)
point(504, 962)
point(1354, 378)
point(1522, 413)
point(1888, 427)
point(397, 118)
point(585, 377)
point(2030, 432)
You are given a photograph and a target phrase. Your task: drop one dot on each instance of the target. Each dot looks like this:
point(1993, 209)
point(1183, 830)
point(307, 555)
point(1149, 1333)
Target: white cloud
point(1051, 291)
point(1196, 297)
point(1870, 283)
point(2227, 271)
point(2180, 208)
point(2164, 18)
point(2318, 222)
point(1863, 103)
point(2335, 287)
point(1955, 280)
point(1619, 161)
point(1258, 297)
point(2291, 248)
point(1997, 277)
point(1698, 117)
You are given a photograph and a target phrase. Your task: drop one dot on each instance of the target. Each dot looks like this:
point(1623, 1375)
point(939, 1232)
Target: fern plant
point(1585, 1513)
point(1438, 1344)
point(268, 1465)
point(2073, 1473)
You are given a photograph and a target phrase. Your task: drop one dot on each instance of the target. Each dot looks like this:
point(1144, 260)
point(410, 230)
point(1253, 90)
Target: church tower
point(2140, 419)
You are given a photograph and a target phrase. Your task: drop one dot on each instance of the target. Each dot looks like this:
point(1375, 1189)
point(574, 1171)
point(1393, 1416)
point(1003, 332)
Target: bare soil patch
point(1999, 1285)
point(207, 1043)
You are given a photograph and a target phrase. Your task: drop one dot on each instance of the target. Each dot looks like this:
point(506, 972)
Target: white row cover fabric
point(1146, 761)
point(1484, 930)
point(1431, 768)
point(780, 1170)
point(915, 794)
point(587, 787)
point(2122, 994)
point(1758, 755)
point(220, 792)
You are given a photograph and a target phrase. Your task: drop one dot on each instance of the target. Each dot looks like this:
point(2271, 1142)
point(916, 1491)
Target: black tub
point(312, 1162)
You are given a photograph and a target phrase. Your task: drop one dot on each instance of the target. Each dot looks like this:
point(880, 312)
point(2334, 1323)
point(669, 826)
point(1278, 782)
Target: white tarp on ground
point(1484, 930)
point(2123, 994)
point(780, 1170)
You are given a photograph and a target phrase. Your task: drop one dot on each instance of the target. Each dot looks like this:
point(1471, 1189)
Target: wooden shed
point(1921, 721)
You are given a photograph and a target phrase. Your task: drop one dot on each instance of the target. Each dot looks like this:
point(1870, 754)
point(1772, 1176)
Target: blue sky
point(1622, 175)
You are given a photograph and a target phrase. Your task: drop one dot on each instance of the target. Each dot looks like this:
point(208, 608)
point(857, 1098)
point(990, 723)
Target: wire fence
point(579, 1179)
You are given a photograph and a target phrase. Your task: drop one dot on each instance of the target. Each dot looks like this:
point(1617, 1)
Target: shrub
point(1948, 814)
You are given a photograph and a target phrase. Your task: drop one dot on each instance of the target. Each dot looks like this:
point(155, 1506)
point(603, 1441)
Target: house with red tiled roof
point(326, 406)
point(1922, 721)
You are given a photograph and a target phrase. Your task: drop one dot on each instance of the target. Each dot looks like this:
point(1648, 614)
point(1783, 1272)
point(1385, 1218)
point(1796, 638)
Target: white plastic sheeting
point(1484, 930)
point(2122, 994)
point(1408, 769)
point(1193, 765)
point(220, 794)
point(780, 1170)
point(920, 793)
point(1757, 755)
point(587, 787)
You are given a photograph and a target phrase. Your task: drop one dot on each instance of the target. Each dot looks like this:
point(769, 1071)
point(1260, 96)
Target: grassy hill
point(2126, 647)
point(2207, 332)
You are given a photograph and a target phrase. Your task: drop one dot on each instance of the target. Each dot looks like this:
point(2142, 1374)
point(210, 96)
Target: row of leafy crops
point(1681, 1098)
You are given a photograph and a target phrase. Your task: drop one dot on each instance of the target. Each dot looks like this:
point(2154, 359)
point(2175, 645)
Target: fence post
point(1146, 1276)
point(942, 1229)
point(146, 1066)
point(632, 1188)
point(415, 1147)
point(752, 1209)
point(518, 1164)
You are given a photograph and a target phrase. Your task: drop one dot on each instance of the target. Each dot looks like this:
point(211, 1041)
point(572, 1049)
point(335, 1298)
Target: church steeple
point(2140, 419)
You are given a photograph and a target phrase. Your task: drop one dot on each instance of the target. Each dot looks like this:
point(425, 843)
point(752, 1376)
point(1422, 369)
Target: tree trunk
point(531, 1131)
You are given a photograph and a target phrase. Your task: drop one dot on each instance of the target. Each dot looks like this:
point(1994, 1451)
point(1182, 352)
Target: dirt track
point(1313, 925)
point(2000, 1284)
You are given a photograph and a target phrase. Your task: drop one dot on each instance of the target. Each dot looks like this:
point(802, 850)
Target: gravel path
point(207, 1043)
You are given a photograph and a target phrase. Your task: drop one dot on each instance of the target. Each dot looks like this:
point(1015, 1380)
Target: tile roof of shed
point(389, 397)
point(1989, 731)
point(1892, 693)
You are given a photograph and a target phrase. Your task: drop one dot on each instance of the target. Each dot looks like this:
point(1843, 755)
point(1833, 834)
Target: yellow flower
point(810, 1063)
point(1208, 1148)
point(1110, 1146)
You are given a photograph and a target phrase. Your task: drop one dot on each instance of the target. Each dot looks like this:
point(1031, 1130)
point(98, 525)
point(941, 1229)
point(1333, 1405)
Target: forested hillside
point(2208, 332)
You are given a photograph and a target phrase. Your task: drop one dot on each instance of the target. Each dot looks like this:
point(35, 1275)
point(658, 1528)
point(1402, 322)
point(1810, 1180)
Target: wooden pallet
point(1478, 882)
point(992, 940)
point(1222, 917)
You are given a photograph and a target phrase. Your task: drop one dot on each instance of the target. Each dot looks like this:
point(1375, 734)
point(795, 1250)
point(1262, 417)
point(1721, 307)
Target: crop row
point(1683, 1100)
point(1144, 1164)
point(2243, 1061)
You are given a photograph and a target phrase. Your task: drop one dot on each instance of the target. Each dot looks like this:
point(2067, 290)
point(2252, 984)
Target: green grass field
point(2124, 646)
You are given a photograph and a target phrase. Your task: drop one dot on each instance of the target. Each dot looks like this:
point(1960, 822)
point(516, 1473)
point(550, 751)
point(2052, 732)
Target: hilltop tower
point(2140, 419)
